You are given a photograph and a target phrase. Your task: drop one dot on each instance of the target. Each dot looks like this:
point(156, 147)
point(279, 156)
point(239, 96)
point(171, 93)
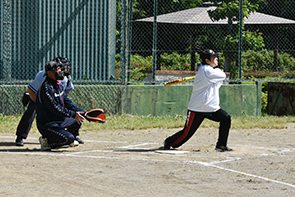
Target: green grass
point(9, 123)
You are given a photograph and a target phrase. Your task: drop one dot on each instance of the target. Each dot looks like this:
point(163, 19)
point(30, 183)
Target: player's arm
point(35, 85)
point(79, 117)
point(214, 75)
point(47, 96)
point(70, 85)
point(32, 94)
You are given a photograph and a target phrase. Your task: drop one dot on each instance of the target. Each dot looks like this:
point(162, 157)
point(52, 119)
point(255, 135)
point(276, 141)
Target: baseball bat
point(177, 81)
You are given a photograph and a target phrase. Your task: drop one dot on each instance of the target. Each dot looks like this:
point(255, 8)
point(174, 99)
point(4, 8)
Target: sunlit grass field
point(9, 123)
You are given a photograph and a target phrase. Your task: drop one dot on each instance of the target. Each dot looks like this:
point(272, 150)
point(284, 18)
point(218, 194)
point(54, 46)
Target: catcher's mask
point(52, 66)
point(57, 59)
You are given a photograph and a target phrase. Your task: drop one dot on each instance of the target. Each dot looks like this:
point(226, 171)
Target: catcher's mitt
point(95, 115)
point(25, 99)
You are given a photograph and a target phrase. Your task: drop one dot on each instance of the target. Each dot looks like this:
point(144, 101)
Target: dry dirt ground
point(125, 163)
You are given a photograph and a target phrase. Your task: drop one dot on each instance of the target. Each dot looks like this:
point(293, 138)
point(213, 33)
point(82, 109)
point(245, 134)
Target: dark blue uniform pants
point(59, 134)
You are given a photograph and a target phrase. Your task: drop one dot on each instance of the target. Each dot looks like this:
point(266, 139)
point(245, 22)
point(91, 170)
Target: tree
point(145, 8)
point(230, 10)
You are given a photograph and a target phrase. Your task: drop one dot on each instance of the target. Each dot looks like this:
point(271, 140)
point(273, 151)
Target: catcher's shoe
point(79, 140)
point(223, 148)
point(44, 144)
point(75, 143)
point(19, 141)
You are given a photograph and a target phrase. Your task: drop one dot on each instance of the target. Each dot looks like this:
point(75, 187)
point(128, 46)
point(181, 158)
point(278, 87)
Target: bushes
point(140, 64)
point(176, 61)
point(255, 65)
point(257, 61)
point(264, 95)
point(260, 64)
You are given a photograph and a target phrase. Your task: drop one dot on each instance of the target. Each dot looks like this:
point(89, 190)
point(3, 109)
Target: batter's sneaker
point(19, 141)
point(165, 147)
point(223, 148)
point(44, 144)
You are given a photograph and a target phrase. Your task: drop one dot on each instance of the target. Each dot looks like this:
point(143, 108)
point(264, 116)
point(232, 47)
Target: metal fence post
point(155, 39)
point(129, 38)
point(240, 40)
point(123, 41)
point(259, 95)
point(7, 48)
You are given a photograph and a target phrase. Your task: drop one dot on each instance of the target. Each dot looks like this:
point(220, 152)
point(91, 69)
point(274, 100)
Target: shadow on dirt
point(11, 147)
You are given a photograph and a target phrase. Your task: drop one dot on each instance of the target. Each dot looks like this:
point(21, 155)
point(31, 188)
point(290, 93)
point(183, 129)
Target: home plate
point(174, 152)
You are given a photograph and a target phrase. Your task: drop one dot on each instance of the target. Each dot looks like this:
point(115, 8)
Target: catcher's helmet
point(51, 66)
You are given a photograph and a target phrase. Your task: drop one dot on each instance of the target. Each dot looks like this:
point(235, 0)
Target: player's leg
point(193, 122)
point(73, 127)
point(55, 135)
point(25, 124)
point(225, 122)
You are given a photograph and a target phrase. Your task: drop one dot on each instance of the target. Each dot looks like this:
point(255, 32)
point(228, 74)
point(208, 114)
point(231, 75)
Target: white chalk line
point(157, 160)
point(144, 144)
point(276, 151)
point(243, 173)
point(207, 164)
point(91, 141)
point(91, 151)
point(256, 147)
point(136, 145)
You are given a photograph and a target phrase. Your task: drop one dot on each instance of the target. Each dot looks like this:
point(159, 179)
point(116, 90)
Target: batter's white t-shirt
point(205, 95)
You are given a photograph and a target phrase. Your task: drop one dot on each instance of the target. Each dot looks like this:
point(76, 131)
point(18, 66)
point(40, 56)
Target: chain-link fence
point(33, 32)
point(115, 43)
point(166, 37)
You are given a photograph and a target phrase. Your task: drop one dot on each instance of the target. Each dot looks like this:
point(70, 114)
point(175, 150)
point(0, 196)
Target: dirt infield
point(125, 163)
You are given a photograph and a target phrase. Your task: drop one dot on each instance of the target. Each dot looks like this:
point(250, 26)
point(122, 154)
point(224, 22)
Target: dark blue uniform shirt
point(53, 103)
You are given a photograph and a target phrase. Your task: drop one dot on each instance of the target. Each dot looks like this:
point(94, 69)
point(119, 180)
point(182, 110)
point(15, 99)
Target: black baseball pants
point(194, 120)
point(25, 124)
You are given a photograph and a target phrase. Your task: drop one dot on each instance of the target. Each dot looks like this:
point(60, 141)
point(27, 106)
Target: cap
point(50, 65)
point(207, 54)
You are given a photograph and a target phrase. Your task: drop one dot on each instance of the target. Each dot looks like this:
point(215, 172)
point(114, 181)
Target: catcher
point(29, 98)
point(58, 118)
point(204, 103)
